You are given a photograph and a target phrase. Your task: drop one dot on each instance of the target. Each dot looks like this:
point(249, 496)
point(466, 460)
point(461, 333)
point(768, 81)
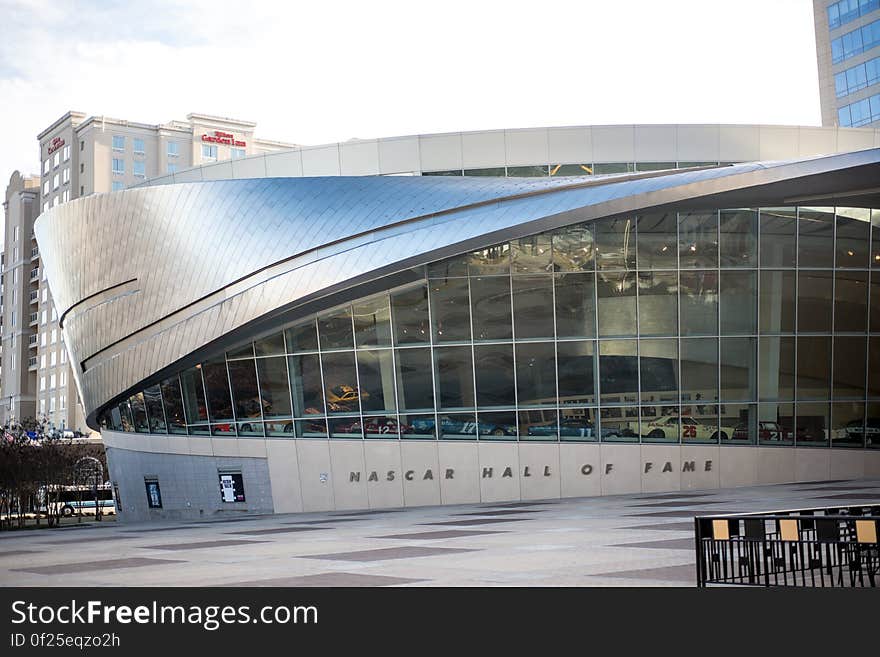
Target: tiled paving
point(643, 539)
point(383, 554)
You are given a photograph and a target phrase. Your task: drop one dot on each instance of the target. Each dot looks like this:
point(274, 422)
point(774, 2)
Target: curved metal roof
point(144, 277)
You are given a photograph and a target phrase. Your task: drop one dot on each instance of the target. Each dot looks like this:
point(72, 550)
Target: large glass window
point(535, 373)
point(739, 302)
point(194, 396)
point(340, 382)
point(573, 248)
point(698, 239)
point(372, 322)
point(813, 367)
point(490, 300)
point(245, 393)
point(576, 372)
point(335, 329)
point(173, 405)
point(778, 237)
point(455, 377)
point(699, 371)
point(575, 306)
point(616, 293)
point(217, 388)
point(849, 367)
point(739, 366)
point(816, 237)
point(739, 238)
point(450, 310)
point(274, 387)
point(658, 371)
point(139, 413)
point(305, 385)
point(302, 337)
point(376, 376)
point(811, 423)
point(494, 260)
point(815, 301)
point(616, 243)
point(494, 368)
point(658, 237)
point(853, 233)
point(532, 254)
point(409, 310)
point(530, 316)
point(776, 355)
point(155, 414)
point(658, 303)
point(777, 299)
point(618, 371)
point(699, 302)
point(415, 387)
point(851, 301)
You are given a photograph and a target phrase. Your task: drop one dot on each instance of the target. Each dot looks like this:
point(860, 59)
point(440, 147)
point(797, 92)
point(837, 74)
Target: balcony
point(34, 296)
point(35, 273)
point(32, 363)
point(33, 319)
point(32, 341)
point(35, 253)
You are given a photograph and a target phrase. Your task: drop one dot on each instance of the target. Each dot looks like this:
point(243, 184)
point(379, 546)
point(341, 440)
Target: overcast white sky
point(313, 72)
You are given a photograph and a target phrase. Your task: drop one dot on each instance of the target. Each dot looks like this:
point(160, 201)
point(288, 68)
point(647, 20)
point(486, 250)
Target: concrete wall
point(291, 476)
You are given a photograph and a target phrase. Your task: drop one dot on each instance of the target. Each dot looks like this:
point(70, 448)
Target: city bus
point(69, 500)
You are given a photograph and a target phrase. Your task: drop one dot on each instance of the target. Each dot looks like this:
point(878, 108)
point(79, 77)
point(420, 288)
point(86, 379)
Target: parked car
point(766, 431)
point(373, 426)
point(870, 432)
point(344, 397)
point(449, 425)
point(567, 428)
point(667, 426)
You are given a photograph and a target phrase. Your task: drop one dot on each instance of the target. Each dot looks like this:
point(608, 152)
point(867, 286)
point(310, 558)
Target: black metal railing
point(824, 547)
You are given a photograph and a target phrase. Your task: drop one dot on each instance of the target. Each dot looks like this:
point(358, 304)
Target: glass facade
point(733, 326)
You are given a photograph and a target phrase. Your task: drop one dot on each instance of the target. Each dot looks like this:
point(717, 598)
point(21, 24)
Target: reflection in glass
point(532, 254)
point(409, 310)
point(490, 301)
point(305, 384)
point(526, 172)
point(776, 424)
point(872, 425)
point(491, 260)
point(875, 301)
point(618, 371)
point(539, 424)
point(851, 301)
point(270, 346)
point(245, 394)
point(247, 351)
point(535, 373)
point(345, 427)
point(662, 428)
point(381, 427)
point(777, 299)
point(575, 306)
point(217, 388)
point(173, 404)
point(848, 424)
point(311, 428)
point(776, 356)
point(739, 422)
point(619, 424)
point(658, 303)
point(816, 237)
point(849, 367)
point(335, 329)
point(739, 302)
point(658, 239)
point(658, 363)
point(372, 322)
point(415, 388)
point(778, 237)
point(494, 369)
point(698, 239)
point(560, 170)
point(417, 427)
point(155, 414)
point(340, 383)
point(194, 395)
point(274, 387)
point(853, 233)
point(699, 371)
point(139, 413)
point(874, 367)
point(699, 424)
point(813, 367)
point(376, 380)
point(575, 365)
point(578, 425)
point(739, 238)
point(497, 425)
point(573, 248)
point(739, 366)
point(455, 377)
point(616, 293)
point(458, 426)
point(699, 302)
point(615, 243)
point(302, 337)
point(530, 316)
point(280, 429)
point(811, 423)
point(815, 299)
point(450, 309)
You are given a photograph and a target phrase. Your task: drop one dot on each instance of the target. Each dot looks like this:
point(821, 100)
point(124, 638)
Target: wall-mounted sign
point(220, 137)
point(56, 143)
point(231, 487)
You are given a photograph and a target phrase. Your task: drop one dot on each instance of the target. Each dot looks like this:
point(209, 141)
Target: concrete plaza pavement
point(626, 540)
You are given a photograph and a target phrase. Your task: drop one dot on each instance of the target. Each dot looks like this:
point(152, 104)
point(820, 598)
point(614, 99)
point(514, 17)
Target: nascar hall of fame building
point(554, 313)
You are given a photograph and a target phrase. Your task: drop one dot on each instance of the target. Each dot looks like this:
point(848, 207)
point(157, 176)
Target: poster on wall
point(231, 487)
point(154, 495)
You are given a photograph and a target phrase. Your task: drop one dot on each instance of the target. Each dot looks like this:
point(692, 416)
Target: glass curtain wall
point(734, 326)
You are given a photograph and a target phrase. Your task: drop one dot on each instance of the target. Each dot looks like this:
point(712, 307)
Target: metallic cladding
point(194, 261)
